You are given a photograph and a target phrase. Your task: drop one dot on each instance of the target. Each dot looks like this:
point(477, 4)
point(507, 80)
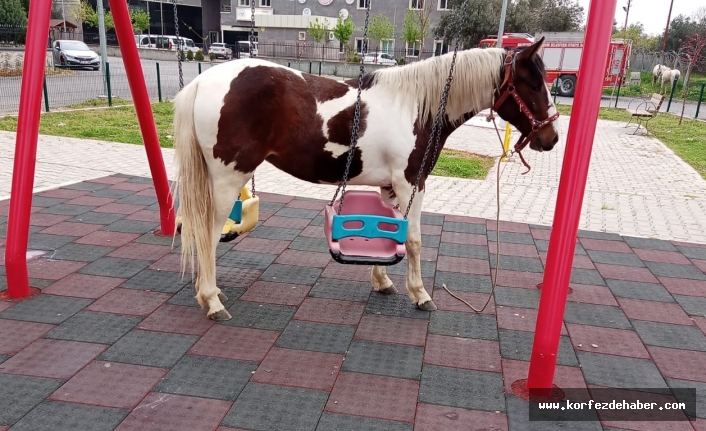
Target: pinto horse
point(236, 115)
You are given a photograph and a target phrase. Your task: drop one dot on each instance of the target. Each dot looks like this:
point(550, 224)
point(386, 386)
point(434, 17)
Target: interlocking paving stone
point(81, 253)
point(463, 282)
point(693, 252)
point(428, 268)
point(394, 305)
point(619, 372)
point(66, 209)
point(59, 416)
point(114, 267)
point(431, 240)
point(45, 309)
point(464, 325)
point(20, 394)
point(265, 407)
point(518, 345)
point(93, 327)
point(270, 232)
point(518, 419)
point(131, 226)
point(336, 422)
point(517, 263)
point(154, 349)
point(463, 250)
point(156, 281)
point(318, 337)
point(260, 316)
point(201, 376)
point(468, 389)
point(626, 259)
point(674, 336)
point(309, 244)
point(693, 305)
point(649, 244)
point(97, 218)
point(341, 289)
point(44, 241)
point(639, 290)
point(596, 315)
point(700, 394)
point(187, 296)
point(384, 359)
point(244, 259)
point(291, 274)
point(675, 271)
point(516, 297)
point(586, 276)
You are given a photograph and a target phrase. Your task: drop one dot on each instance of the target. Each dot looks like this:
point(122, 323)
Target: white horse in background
point(669, 78)
point(657, 73)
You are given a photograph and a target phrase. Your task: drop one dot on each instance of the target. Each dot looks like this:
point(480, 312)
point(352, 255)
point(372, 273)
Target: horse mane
point(476, 76)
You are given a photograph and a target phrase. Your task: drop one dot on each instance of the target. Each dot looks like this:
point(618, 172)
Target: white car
point(380, 58)
point(74, 53)
point(220, 50)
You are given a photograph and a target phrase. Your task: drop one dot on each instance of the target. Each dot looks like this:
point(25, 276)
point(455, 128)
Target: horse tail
point(193, 183)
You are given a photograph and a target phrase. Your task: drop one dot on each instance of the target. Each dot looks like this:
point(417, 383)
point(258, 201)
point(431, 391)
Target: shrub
point(211, 56)
point(189, 55)
point(199, 55)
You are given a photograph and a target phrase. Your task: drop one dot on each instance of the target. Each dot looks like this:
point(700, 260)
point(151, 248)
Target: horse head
point(523, 99)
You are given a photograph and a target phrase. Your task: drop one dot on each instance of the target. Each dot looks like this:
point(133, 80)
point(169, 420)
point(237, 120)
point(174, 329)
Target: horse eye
point(535, 87)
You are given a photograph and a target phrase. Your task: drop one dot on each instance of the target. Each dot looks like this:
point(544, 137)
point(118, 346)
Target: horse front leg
point(379, 279)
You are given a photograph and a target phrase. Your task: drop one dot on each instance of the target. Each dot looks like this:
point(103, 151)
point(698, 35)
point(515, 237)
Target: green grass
point(645, 87)
point(120, 125)
point(687, 140)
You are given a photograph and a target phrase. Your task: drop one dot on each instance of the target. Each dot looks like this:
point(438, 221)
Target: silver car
point(74, 53)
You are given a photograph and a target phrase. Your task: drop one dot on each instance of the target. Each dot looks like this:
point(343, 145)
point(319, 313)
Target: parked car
point(220, 50)
point(380, 58)
point(164, 42)
point(74, 53)
point(244, 49)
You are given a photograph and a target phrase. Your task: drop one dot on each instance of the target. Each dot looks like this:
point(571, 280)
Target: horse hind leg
point(381, 282)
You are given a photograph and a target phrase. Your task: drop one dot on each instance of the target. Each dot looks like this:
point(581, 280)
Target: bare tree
point(423, 12)
point(693, 53)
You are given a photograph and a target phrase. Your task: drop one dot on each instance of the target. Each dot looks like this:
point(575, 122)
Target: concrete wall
point(345, 70)
point(145, 54)
point(12, 61)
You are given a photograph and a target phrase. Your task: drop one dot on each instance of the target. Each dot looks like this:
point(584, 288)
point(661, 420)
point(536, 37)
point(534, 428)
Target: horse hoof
point(427, 306)
point(222, 297)
point(220, 315)
point(388, 290)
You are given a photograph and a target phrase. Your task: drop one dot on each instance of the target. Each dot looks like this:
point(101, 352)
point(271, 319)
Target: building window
point(440, 47)
point(225, 6)
point(443, 4)
point(244, 2)
point(416, 4)
point(265, 3)
point(412, 50)
point(302, 35)
point(359, 45)
point(362, 4)
point(388, 46)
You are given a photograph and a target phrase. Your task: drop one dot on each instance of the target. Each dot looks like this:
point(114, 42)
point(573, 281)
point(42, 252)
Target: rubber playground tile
point(614, 258)
point(44, 220)
point(359, 273)
point(138, 200)
point(654, 311)
point(394, 305)
point(648, 244)
point(672, 336)
point(464, 353)
point(45, 309)
point(393, 360)
point(155, 349)
point(150, 238)
point(431, 241)
point(186, 296)
point(673, 257)
point(260, 316)
point(42, 241)
point(511, 249)
point(135, 184)
point(368, 395)
point(589, 234)
point(201, 376)
point(86, 185)
point(388, 329)
point(52, 358)
point(129, 301)
point(287, 222)
point(680, 286)
point(432, 219)
point(464, 238)
point(304, 243)
point(463, 250)
point(605, 245)
point(459, 227)
point(341, 289)
point(318, 337)
point(264, 407)
point(291, 274)
point(93, 327)
point(71, 229)
point(274, 233)
point(156, 281)
point(518, 345)
point(299, 368)
point(469, 389)
point(586, 276)
point(596, 315)
point(243, 259)
point(519, 319)
point(700, 321)
point(599, 295)
point(693, 305)
point(174, 413)
point(109, 385)
point(97, 218)
point(59, 416)
point(47, 269)
point(236, 277)
point(463, 219)
point(518, 263)
point(324, 310)
point(89, 200)
point(80, 252)
point(692, 252)
point(111, 193)
point(679, 363)
point(609, 341)
point(516, 297)
point(510, 237)
point(518, 419)
point(335, 422)
point(108, 239)
point(463, 325)
point(525, 280)
point(432, 417)
point(626, 273)
point(271, 197)
point(16, 335)
point(20, 394)
point(177, 319)
point(119, 208)
point(619, 372)
point(317, 221)
point(70, 210)
point(172, 263)
point(63, 193)
point(543, 246)
point(242, 344)
point(304, 258)
point(661, 269)
point(463, 282)
point(149, 252)
point(131, 226)
point(445, 302)
point(289, 211)
point(145, 215)
point(462, 265)
point(638, 290)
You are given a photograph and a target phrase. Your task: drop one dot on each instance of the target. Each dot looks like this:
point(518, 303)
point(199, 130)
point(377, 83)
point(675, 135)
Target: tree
point(693, 52)
point(636, 35)
point(317, 30)
point(380, 28)
point(343, 31)
point(411, 33)
point(85, 13)
point(680, 30)
point(477, 20)
point(140, 20)
point(12, 13)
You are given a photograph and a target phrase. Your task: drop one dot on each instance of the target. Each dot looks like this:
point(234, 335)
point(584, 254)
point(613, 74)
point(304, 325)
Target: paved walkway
point(636, 185)
point(115, 340)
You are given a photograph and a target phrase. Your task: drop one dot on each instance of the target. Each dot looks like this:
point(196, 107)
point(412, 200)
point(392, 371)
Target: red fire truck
point(562, 54)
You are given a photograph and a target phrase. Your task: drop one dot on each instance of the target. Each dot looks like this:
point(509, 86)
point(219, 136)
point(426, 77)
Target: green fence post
point(320, 67)
point(310, 68)
point(556, 88)
point(701, 96)
point(159, 84)
point(289, 64)
point(46, 94)
point(107, 81)
point(617, 96)
point(671, 94)
point(199, 68)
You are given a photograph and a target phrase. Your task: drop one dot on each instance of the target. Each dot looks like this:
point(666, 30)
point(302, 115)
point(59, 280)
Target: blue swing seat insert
point(370, 227)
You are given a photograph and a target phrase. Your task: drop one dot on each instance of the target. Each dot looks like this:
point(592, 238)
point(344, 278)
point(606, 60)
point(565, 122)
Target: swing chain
point(356, 116)
point(252, 44)
point(179, 52)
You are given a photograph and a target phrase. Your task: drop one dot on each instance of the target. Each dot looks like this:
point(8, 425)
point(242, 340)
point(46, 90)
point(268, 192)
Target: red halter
point(510, 90)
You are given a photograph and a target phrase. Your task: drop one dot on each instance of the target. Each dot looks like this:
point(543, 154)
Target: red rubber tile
point(431, 417)
point(334, 311)
point(526, 280)
point(510, 249)
point(57, 359)
point(175, 413)
point(307, 205)
point(541, 233)
point(271, 197)
point(688, 244)
point(276, 293)
point(313, 232)
point(84, 286)
point(52, 269)
point(682, 286)
point(140, 251)
point(108, 239)
point(463, 265)
point(93, 201)
point(370, 396)
point(16, 335)
point(387, 329)
point(169, 262)
point(507, 226)
point(287, 222)
point(47, 219)
point(610, 341)
point(4, 305)
point(519, 319)
point(599, 295)
point(108, 180)
point(145, 215)
point(463, 219)
point(661, 256)
point(464, 238)
point(466, 353)
point(299, 368)
point(72, 229)
point(229, 342)
point(446, 302)
point(700, 322)
point(580, 261)
point(564, 377)
point(347, 272)
point(129, 301)
point(605, 245)
point(110, 384)
point(136, 187)
point(304, 258)
point(260, 245)
point(428, 229)
point(178, 320)
point(679, 364)
point(653, 311)
point(229, 429)
point(701, 264)
point(119, 208)
point(627, 273)
point(63, 193)
point(429, 254)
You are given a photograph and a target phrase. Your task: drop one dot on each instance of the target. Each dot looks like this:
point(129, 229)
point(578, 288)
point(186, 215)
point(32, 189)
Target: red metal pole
point(138, 88)
point(26, 148)
point(572, 184)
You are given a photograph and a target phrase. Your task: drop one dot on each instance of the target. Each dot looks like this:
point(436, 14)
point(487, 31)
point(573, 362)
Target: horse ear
point(533, 49)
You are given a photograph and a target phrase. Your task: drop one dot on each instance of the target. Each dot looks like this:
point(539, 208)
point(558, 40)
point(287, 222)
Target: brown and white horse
point(234, 116)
